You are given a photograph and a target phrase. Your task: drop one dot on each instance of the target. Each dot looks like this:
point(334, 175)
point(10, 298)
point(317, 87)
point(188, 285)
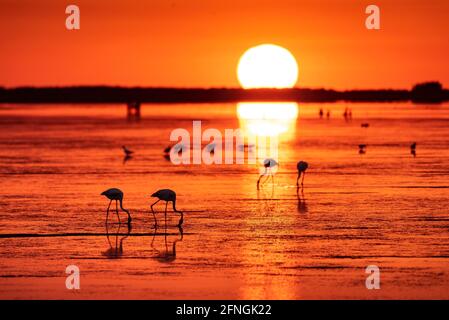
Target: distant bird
point(321, 113)
point(413, 149)
point(176, 148)
point(211, 148)
point(166, 195)
point(328, 114)
point(249, 147)
point(268, 164)
point(302, 167)
point(117, 195)
point(127, 152)
point(364, 125)
point(362, 148)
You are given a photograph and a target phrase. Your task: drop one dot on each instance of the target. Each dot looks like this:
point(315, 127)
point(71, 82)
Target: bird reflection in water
point(267, 196)
point(115, 250)
point(128, 154)
point(126, 159)
point(302, 205)
point(167, 255)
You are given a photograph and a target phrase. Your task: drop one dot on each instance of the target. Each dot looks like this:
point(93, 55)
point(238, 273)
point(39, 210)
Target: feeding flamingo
point(166, 195)
point(302, 167)
point(268, 164)
point(117, 195)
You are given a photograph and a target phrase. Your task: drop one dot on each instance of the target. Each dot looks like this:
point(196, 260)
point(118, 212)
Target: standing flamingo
point(117, 195)
point(166, 195)
point(302, 167)
point(268, 164)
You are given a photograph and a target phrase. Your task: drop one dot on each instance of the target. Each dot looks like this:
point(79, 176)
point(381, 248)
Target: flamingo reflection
point(116, 251)
point(302, 205)
point(166, 256)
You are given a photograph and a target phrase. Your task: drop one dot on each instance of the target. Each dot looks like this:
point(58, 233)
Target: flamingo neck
point(121, 206)
point(174, 207)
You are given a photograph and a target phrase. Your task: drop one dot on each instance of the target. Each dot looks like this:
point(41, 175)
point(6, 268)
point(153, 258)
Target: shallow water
point(384, 208)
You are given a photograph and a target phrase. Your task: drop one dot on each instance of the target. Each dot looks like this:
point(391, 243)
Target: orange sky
point(193, 43)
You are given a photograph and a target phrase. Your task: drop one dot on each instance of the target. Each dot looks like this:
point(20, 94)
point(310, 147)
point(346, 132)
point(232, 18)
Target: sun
point(267, 66)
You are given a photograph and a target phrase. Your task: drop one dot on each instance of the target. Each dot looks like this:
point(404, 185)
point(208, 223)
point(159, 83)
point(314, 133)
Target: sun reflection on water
point(268, 119)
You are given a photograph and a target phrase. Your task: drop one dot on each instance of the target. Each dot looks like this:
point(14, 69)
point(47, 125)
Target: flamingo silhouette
point(117, 195)
point(302, 167)
point(166, 195)
point(268, 164)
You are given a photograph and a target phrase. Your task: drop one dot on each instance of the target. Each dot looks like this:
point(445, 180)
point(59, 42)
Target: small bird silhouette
point(364, 125)
point(302, 167)
point(362, 148)
point(211, 148)
point(166, 195)
point(127, 152)
point(267, 164)
point(117, 195)
point(177, 148)
point(243, 147)
point(413, 149)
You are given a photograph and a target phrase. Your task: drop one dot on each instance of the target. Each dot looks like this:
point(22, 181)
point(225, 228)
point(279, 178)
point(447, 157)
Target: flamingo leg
point(267, 175)
point(166, 203)
point(258, 180)
point(297, 179)
point(107, 212)
point(166, 246)
point(303, 175)
point(116, 211)
point(154, 215)
point(260, 177)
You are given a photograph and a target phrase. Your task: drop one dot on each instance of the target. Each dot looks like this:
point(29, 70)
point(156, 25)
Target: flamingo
point(166, 195)
point(127, 152)
point(268, 164)
point(117, 195)
point(302, 167)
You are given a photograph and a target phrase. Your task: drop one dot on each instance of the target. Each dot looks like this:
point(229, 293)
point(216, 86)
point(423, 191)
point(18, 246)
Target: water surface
point(384, 208)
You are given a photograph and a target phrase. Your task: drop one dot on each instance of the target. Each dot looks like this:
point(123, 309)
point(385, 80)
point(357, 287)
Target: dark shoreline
point(106, 94)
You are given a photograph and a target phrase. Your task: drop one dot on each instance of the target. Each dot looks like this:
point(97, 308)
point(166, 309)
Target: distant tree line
point(429, 92)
